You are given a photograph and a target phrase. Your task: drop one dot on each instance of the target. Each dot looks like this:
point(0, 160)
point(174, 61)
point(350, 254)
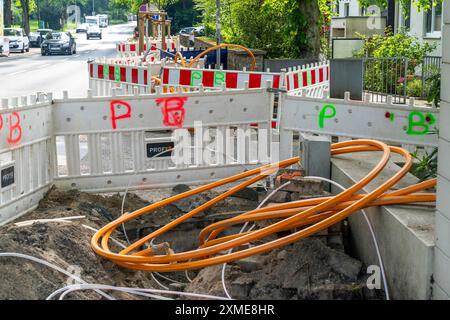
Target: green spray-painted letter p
point(196, 76)
point(328, 111)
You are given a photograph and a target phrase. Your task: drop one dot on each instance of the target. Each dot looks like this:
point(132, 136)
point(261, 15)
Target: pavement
point(28, 73)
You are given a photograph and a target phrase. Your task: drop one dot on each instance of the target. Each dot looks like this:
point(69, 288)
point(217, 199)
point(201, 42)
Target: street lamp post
point(218, 33)
point(93, 7)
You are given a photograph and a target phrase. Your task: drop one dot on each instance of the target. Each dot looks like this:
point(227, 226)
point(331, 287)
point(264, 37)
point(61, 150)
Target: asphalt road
point(25, 74)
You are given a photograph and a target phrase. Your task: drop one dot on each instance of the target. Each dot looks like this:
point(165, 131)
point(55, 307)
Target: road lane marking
point(18, 72)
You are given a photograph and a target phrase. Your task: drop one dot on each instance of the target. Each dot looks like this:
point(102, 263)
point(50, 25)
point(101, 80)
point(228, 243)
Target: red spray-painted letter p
point(115, 106)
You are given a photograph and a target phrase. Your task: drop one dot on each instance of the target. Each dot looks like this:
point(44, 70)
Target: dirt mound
point(66, 244)
point(307, 269)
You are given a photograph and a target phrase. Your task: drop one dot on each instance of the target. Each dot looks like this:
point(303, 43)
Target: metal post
point(406, 80)
point(163, 31)
point(218, 33)
point(316, 156)
point(141, 32)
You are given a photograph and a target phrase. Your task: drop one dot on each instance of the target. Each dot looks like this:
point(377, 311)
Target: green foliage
point(434, 94)
point(414, 88)
point(426, 167)
point(398, 45)
point(283, 28)
point(183, 14)
point(325, 7)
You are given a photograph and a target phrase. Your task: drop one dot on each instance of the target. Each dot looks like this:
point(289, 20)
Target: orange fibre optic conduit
point(313, 215)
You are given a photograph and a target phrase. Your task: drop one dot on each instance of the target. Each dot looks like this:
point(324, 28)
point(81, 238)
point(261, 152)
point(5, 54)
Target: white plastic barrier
point(26, 153)
point(111, 143)
point(404, 125)
point(310, 80)
point(107, 142)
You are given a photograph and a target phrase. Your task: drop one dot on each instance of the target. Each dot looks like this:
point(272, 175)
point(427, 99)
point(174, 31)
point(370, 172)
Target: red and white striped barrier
point(308, 76)
point(120, 73)
point(216, 78)
point(131, 48)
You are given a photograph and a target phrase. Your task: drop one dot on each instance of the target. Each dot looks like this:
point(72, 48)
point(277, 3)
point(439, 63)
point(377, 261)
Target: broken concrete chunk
point(190, 203)
point(344, 264)
point(249, 264)
point(303, 186)
point(247, 193)
point(279, 197)
point(241, 287)
point(180, 188)
point(282, 255)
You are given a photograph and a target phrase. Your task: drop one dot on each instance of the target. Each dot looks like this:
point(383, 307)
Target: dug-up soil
point(308, 269)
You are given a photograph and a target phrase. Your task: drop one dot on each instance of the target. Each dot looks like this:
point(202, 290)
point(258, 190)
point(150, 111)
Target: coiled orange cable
point(313, 215)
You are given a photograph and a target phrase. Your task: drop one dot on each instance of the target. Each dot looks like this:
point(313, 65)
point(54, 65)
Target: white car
point(18, 41)
point(4, 46)
point(82, 28)
point(93, 31)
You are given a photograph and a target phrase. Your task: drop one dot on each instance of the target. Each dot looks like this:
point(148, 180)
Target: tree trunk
point(25, 4)
point(7, 13)
point(311, 14)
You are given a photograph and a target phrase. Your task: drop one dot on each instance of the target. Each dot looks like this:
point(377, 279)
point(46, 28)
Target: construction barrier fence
point(111, 143)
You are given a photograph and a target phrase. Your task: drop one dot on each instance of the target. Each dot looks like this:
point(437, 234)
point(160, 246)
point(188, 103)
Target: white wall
point(1, 18)
point(441, 288)
point(417, 29)
point(354, 8)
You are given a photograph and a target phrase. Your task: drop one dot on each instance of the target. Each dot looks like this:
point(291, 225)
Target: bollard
point(316, 155)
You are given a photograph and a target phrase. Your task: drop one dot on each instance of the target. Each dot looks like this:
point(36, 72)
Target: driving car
point(82, 28)
point(37, 37)
point(59, 43)
point(18, 41)
point(93, 31)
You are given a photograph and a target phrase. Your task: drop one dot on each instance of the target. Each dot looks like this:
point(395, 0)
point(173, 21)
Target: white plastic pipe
point(50, 265)
point(71, 288)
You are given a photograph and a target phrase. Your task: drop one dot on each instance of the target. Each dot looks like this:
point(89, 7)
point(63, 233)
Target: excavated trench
point(314, 268)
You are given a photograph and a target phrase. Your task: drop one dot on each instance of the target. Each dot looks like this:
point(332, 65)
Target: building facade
point(350, 17)
point(427, 26)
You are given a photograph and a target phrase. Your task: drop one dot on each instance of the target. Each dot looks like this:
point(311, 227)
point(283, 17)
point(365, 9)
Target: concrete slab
point(405, 233)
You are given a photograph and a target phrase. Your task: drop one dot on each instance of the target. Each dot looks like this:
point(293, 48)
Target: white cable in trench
point(52, 266)
point(372, 233)
point(64, 291)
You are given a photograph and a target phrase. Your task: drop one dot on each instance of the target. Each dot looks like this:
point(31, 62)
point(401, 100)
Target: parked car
point(37, 37)
point(199, 31)
point(18, 40)
point(93, 31)
point(82, 28)
point(4, 47)
point(59, 43)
